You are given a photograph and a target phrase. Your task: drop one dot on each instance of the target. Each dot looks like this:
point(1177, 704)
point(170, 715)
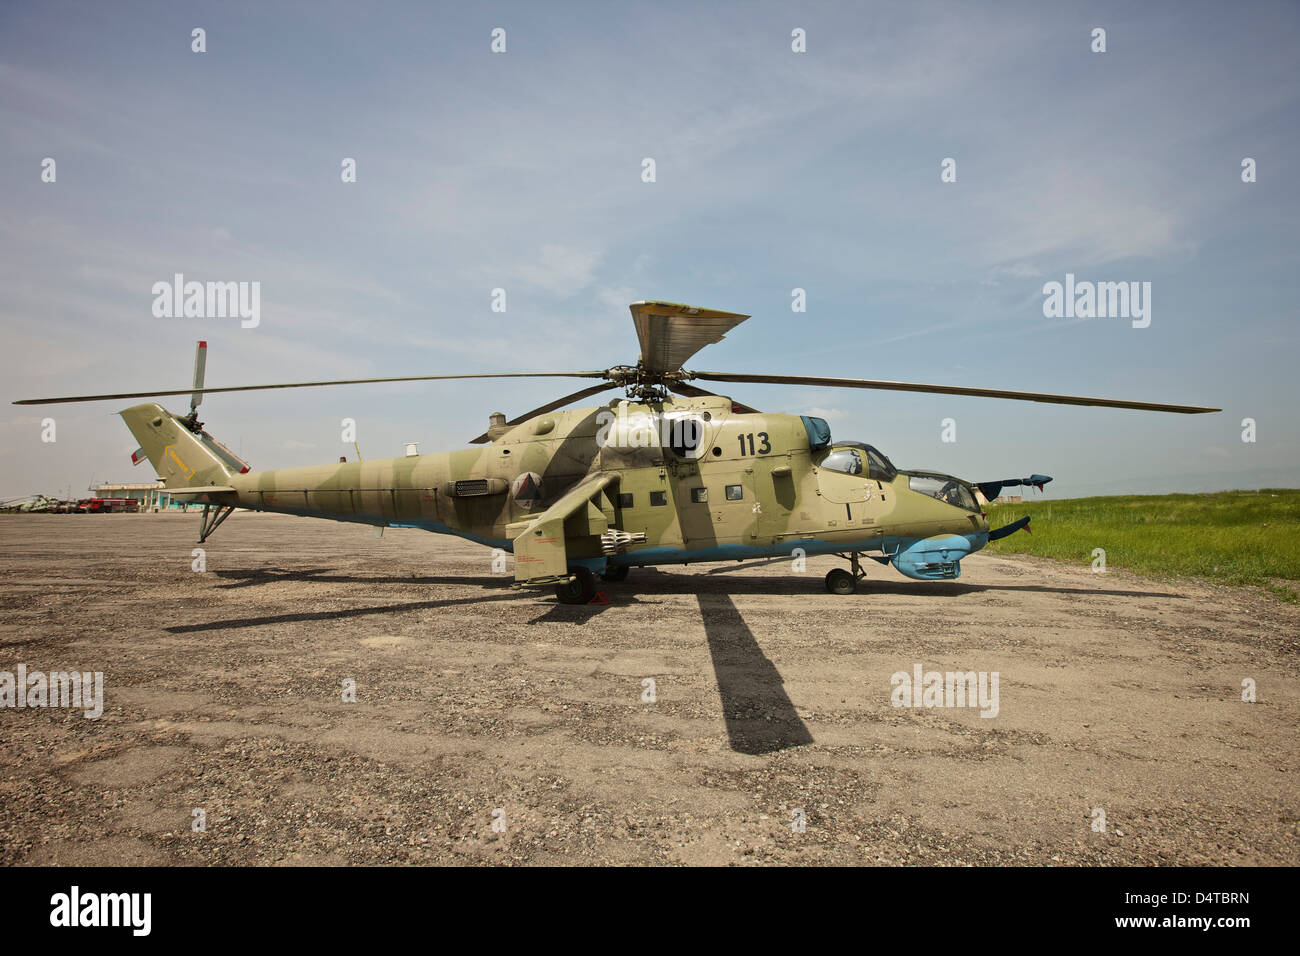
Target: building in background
point(152, 495)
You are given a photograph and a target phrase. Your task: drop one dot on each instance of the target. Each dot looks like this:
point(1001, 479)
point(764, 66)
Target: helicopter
point(667, 473)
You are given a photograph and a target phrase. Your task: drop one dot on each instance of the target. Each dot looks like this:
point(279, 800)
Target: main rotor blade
point(342, 381)
point(670, 333)
point(550, 407)
point(694, 391)
point(1048, 397)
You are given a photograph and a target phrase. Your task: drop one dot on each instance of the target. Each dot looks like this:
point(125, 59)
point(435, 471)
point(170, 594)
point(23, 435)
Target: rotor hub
point(644, 384)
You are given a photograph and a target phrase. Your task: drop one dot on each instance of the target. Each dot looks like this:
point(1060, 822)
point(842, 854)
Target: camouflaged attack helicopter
point(670, 473)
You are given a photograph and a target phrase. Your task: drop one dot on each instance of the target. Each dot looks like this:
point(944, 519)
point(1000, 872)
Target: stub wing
point(1010, 529)
point(540, 553)
point(991, 489)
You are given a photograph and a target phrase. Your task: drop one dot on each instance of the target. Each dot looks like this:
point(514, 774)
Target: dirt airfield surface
point(224, 693)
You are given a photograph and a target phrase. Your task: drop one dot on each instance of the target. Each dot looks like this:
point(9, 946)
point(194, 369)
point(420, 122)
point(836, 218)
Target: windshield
point(948, 490)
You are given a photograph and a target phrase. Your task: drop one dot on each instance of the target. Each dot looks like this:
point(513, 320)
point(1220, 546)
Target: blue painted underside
point(925, 559)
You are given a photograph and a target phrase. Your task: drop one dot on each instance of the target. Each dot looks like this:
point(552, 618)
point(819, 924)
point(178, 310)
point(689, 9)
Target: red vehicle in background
point(107, 505)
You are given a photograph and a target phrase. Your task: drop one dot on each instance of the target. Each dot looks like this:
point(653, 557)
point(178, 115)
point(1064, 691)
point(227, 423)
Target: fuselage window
point(625, 499)
point(699, 496)
point(658, 498)
point(735, 492)
point(845, 460)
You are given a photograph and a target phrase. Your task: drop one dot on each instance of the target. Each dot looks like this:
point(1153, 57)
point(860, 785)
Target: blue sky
point(775, 170)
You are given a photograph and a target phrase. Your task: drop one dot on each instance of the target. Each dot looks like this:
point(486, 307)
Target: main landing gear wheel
point(615, 575)
point(579, 589)
point(839, 581)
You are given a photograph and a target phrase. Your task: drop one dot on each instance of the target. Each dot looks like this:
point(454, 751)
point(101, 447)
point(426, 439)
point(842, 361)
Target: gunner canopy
point(942, 488)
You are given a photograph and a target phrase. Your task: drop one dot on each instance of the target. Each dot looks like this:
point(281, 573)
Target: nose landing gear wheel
point(839, 581)
point(579, 589)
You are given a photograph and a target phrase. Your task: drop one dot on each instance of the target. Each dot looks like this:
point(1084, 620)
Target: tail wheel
point(615, 575)
point(579, 589)
point(839, 581)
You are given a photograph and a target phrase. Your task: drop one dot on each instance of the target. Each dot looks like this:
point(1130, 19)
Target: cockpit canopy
point(855, 458)
point(943, 488)
point(846, 457)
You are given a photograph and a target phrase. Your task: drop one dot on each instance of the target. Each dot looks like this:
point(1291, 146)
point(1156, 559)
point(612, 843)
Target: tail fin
point(182, 457)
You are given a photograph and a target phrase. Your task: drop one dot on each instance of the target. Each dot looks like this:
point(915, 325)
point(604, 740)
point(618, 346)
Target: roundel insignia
point(526, 489)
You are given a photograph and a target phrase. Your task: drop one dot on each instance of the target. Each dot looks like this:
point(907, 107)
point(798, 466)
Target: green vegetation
point(1233, 537)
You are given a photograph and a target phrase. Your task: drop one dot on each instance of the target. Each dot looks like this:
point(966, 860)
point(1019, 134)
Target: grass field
point(1235, 537)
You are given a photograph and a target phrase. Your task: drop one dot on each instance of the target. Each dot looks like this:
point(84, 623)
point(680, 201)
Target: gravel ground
point(475, 702)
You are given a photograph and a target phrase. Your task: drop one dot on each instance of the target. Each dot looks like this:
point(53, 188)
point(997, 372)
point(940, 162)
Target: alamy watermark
point(950, 689)
point(641, 429)
point(68, 689)
point(208, 300)
point(75, 908)
point(1098, 300)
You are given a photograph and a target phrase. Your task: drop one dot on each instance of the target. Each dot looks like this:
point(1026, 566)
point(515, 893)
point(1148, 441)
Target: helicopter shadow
point(342, 614)
point(559, 613)
point(658, 581)
point(252, 578)
point(956, 589)
point(758, 713)
point(714, 582)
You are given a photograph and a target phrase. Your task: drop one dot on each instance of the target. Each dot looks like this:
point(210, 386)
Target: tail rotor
point(196, 397)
